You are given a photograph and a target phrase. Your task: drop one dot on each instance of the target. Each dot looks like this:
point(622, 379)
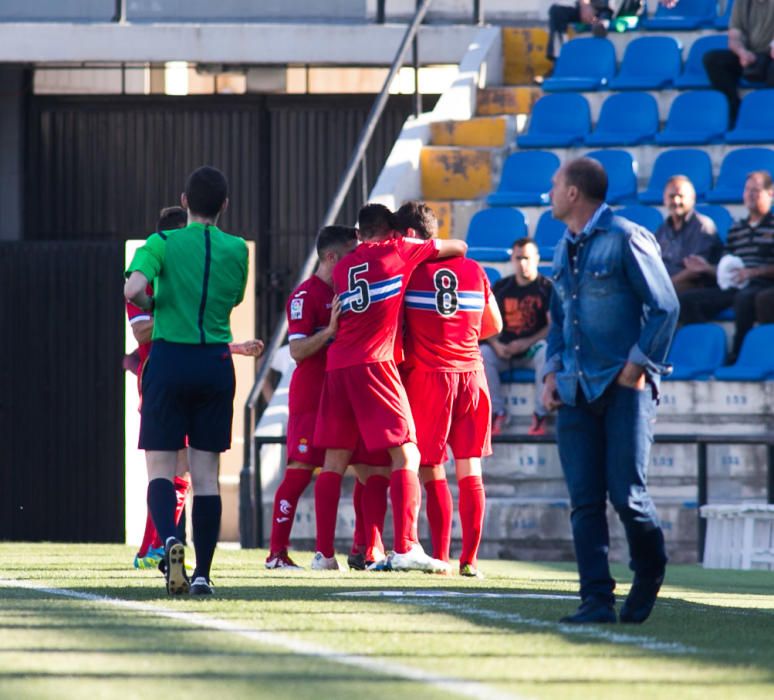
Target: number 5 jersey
point(371, 282)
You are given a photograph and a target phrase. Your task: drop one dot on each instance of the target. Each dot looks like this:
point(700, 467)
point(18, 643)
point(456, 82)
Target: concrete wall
point(12, 94)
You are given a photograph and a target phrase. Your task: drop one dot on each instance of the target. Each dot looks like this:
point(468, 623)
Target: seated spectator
point(749, 53)
point(523, 299)
point(685, 232)
point(752, 241)
point(596, 13)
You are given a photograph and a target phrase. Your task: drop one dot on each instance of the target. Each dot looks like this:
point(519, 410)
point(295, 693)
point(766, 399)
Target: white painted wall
point(400, 177)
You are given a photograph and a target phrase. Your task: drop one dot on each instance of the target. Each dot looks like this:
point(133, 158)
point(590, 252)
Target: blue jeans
point(604, 447)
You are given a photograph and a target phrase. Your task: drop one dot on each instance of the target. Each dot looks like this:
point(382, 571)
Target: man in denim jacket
point(613, 315)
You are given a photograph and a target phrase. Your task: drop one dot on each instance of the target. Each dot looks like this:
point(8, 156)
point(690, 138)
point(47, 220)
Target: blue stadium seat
point(691, 162)
point(756, 360)
point(720, 215)
point(697, 351)
point(526, 179)
point(721, 22)
point(626, 119)
point(649, 63)
point(583, 64)
point(621, 175)
point(559, 120)
point(734, 170)
point(694, 75)
point(548, 233)
point(698, 117)
point(754, 123)
point(492, 274)
point(647, 217)
point(519, 375)
point(546, 269)
point(686, 15)
point(491, 232)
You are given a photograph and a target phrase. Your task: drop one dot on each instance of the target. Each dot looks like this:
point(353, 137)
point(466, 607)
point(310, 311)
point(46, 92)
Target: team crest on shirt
point(296, 309)
point(303, 448)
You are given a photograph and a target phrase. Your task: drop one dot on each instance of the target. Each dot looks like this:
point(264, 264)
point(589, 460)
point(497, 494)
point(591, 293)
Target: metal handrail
point(701, 441)
point(251, 527)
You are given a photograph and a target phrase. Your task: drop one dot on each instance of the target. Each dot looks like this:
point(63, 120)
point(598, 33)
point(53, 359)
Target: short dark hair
point(334, 237)
point(588, 176)
point(521, 242)
point(172, 217)
point(418, 216)
point(374, 220)
point(206, 189)
point(765, 175)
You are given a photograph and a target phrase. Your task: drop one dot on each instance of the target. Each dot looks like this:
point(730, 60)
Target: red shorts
point(450, 408)
point(381, 458)
point(300, 434)
point(364, 403)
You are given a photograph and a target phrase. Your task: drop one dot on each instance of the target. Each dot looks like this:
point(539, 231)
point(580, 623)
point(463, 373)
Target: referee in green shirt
point(199, 275)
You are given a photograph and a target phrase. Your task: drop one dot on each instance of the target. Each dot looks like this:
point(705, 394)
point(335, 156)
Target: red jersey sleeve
point(415, 251)
point(135, 313)
point(302, 313)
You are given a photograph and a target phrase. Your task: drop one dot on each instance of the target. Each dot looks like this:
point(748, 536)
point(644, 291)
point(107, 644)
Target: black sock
point(206, 529)
point(162, 501)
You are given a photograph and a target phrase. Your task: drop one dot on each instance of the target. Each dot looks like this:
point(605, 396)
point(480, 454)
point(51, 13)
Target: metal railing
point(701, 441)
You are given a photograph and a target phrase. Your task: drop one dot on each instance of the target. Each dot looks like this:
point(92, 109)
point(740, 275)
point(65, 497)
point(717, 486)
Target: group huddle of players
point(386, 339)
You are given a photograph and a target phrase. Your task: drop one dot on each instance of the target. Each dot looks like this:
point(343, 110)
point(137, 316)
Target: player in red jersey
point(313, 315)
point(151, 549)
point(449, 307)
point(363, 398)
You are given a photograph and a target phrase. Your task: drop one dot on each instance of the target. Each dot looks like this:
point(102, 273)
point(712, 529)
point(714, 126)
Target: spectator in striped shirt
point(752, 240)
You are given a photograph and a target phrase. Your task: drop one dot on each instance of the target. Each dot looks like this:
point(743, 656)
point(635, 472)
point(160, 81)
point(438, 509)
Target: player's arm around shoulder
point(451, 247)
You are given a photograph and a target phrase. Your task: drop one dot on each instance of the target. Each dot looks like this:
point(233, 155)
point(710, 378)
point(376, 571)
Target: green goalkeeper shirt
point(199, 275)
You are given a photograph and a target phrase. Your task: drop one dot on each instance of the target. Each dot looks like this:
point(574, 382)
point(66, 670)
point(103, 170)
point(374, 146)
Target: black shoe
point(357, 561)
point(201, 585)
point(174, 562)
point(641, 599)
point(591, 611)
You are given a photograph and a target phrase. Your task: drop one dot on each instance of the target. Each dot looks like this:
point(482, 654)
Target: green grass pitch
point(76, 621)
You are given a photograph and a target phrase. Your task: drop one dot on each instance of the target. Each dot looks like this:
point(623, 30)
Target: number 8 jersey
point(445, 302)
point(371, 282)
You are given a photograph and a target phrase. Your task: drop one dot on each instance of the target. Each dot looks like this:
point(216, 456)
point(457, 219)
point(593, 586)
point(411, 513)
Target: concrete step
point(479, 132)
point(451, 172)
point(524, 54)
point(506, 99)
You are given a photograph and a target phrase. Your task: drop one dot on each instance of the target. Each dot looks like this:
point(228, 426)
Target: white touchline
point(433, 599)
point(457, 686)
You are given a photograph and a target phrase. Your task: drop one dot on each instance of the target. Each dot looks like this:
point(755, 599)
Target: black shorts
point(187, 390)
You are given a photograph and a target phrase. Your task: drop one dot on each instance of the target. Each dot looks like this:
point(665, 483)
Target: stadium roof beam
point(253, 44)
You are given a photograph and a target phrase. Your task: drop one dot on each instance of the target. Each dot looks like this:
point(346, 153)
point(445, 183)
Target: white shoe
point(417, 560)
point(321, 563)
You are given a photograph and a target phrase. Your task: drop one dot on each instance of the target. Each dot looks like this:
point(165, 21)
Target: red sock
point(289, 491)
point(472, 506)
point(149, 538)
point(374, 510)
point(358, 537)
point(406, 498)
point(327, 492)
point(181, 491)
point(439, 513)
